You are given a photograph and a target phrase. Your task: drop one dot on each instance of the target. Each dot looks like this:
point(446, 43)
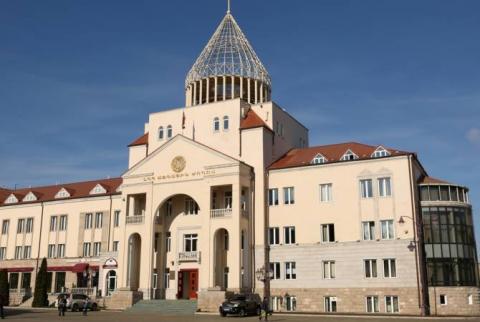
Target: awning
point(19, 269)
point(59, 268)
point(79, 268)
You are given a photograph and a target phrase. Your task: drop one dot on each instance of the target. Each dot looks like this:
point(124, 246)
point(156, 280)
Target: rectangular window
point(5, 225)
point(190, 242)
point(53, 223)
point(154, 280)
point(366, 188)
point(88, 220)
point(191, 207)
point(51, 251)
point(391, 304)
point(62, 226)
point(291, 303)
point(289, 235)
point(168, 242)
point(384, 187)
point(326, 192)
point(98, 220)
point(387, 229)
point(372, 304)
point(86, 249)
point(26, 279)
point(27, 252)
point(20, 226)
point(370, 268)
point(330, 303)
point(166, 278)
point(290, 271)
point(115, 246)
point(228, 199)
point(275, 270)
point(328, 269)
point(273, 197)
point(368, 228)
point(328, 233)
point(29, 225)
point(443, 299)
point(61, 250)
point(3, 253)
point(116, 218)
point(389, 268)
point(18, 252)
point(274, 235)
point(97, 246)
point(289, 195)
point(13, 281)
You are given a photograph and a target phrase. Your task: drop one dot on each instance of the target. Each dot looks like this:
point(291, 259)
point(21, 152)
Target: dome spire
point(227, 68)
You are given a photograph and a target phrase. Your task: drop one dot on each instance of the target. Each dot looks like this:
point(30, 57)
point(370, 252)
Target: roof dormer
point(30, 197)
point(348, 156)
point(11, 199)
point(62, 193)
point(319, 159)
point(98, 189)
point(380, 152)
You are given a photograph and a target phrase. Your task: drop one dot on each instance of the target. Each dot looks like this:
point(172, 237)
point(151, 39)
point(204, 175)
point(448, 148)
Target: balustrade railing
point(135, 219)
point(219, 213)
point(189, 257)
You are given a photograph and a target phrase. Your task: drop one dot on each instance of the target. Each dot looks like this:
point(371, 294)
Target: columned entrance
point(221, 245)
point(187, 284)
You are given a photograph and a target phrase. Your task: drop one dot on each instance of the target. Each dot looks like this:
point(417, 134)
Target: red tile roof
point(431, 180)
point(252, 120)
point(143, 140)
point(333, 153)
point(76, 190)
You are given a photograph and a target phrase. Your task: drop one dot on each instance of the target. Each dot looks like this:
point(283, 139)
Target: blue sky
point(78, 79)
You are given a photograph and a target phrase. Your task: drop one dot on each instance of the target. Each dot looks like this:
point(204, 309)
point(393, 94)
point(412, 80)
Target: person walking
point(2, 300)
point(85, 306)
point(264, 309)
point(62, 306)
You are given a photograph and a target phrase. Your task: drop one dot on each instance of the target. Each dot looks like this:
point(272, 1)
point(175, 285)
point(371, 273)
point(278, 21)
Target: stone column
point(224, 88)
point(216, 86)
point(241, 87)
point(194, 94)
point(208, 90)
point(249, 91)
point(256, 91)
point(200, 100)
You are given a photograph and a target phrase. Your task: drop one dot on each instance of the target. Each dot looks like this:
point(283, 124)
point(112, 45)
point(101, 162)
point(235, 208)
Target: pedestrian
point(85, 306)
point(2, 300)
point(63, 308)
point(60, 305)
point(264, 309)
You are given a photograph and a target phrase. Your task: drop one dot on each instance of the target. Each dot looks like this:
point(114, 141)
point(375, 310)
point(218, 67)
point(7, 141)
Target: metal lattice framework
point(228, 52)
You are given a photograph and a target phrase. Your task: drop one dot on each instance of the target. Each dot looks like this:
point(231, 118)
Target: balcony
point(220, 213)
point(189, 257)
point(135, 220)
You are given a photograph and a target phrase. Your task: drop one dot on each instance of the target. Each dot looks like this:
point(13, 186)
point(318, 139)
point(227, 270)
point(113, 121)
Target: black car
point(240, 305)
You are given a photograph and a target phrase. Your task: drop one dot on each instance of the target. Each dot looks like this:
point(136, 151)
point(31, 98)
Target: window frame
point(384, 187)
point(226, 123)
point(372, 302)
point(394, 304)
point(273, 192)
point(276, 235)
point(390, 229)
point(289, 236)
point(366, 188)
point(329, 192)
point(371, 230)
point(289, 195)
point(329, 273)
point(370, 267)
point(290, 270)
point(328, 228)
point(389, 270)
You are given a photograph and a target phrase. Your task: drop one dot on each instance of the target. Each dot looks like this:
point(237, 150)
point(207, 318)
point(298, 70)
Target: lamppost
point(264, 275)
point(417, 245)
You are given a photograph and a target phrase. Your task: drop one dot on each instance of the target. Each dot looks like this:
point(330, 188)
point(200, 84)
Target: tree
point(4, 287)
point(40, 297)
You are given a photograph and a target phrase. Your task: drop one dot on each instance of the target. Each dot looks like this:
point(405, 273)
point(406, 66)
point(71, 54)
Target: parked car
point(240, 305)
point(75, 302)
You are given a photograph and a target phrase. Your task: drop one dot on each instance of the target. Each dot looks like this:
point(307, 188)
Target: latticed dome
point(228, 53)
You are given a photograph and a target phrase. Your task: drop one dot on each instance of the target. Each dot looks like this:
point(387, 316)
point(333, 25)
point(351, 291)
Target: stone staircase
point(165, 307)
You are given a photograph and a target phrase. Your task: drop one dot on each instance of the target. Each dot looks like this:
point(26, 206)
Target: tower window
point(216, 124)
point(160, 133)
point(225, 122)
point(169, 131)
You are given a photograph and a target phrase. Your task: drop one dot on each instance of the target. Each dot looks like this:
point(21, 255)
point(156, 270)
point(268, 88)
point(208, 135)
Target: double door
point(187, 284)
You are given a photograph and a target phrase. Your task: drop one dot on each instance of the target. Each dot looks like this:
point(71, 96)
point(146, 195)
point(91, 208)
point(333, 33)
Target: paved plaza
point(110, 316)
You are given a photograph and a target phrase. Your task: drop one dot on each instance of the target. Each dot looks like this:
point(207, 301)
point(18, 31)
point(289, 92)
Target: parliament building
point(226, 195)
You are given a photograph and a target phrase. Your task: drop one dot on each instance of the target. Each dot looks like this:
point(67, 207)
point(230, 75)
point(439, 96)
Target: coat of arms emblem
point(178, 164)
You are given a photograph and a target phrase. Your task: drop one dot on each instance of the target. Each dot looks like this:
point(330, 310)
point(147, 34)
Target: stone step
point(166, 307)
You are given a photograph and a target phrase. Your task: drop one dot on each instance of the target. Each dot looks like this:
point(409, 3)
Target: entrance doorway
point(111, 282)
point(187, 284)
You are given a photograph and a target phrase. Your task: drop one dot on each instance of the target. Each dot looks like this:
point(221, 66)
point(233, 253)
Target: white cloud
point(473, 135)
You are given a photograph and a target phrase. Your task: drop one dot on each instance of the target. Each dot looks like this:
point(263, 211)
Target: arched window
point(216, 124)
point(160, 133)
point(225, 122)
point(169, 131)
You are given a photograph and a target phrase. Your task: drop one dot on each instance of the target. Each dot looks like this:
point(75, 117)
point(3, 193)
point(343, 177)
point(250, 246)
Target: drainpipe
point(39, 241)
point(419, 247)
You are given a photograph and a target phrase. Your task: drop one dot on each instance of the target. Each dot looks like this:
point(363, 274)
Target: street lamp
point(264, 275)
point(416, 245)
